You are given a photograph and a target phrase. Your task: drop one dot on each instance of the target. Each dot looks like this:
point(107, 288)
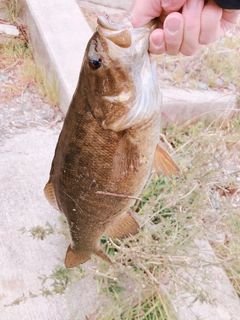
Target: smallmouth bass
point(109, 141)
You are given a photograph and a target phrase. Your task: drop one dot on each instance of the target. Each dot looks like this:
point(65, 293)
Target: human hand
point(198, 23)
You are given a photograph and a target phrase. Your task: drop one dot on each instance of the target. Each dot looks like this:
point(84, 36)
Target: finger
point(157, 42)
point(172, 5)
point(192, 17)
point(173, 31)
point(230, 19)
point(144, 11)
point(210, 23)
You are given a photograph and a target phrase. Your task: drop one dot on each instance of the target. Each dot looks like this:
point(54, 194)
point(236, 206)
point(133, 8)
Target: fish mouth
point(119, 34)
point(123, 34)
point(122, 97)
point(111, 26)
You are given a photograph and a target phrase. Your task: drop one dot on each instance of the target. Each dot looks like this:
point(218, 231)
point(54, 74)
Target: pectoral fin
point(124, 227)
point(126, 158)
point(50, 195)
point(164, 163)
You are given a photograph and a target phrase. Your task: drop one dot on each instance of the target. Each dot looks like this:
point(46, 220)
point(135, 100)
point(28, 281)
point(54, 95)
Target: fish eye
point(95, 63)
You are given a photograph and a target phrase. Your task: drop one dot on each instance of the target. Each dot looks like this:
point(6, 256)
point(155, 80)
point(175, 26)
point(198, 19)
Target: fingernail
point(192, 4)
point(172, 25)
point(166, 3)
point(157, 41)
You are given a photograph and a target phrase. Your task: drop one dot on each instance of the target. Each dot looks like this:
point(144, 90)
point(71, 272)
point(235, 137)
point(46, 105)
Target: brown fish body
point(106, 147)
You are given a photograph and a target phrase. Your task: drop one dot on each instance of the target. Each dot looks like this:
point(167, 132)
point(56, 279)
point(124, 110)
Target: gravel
point(24, 109)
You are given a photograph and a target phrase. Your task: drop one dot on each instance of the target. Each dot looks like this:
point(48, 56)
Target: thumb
point(144, 11)
point(210, 23)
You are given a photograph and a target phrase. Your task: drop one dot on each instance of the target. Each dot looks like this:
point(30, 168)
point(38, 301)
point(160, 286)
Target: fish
point(109, 142)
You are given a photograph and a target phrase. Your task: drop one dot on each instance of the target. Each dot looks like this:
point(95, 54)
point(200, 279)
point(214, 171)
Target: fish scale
point(109, 141)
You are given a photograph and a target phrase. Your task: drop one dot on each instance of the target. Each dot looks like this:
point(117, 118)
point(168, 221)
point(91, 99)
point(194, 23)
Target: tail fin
point(74, 258)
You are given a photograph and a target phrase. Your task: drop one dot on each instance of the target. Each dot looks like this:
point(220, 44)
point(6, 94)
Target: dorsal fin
point(50, 195)
point(164, 163)
point(124, 227)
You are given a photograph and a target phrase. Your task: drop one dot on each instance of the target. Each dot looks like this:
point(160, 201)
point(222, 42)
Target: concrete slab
point(204, 290)
point(25, 161)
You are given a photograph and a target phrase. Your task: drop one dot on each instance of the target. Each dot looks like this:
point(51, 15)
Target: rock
point(3, 77)
point(219, 82)
point(202, 85)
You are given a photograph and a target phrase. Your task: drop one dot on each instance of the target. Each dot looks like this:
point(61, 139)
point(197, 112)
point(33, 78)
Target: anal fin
point(123, 227)
point(74, 258)
point(50, 195)
point(164, 163)
point(100, 253)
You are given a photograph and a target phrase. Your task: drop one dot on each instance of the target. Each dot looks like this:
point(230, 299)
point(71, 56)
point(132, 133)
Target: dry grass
point(216, 66)
point(203, 203)
point(11, 7)
point(17, 61)
point(153, 267)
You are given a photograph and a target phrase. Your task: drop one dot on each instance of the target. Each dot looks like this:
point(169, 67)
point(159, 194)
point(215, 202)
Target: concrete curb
point(181, 105)
point(59, 34)
point(123, 4)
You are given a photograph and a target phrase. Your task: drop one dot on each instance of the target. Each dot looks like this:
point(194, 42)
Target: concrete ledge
point(181, 105)
point(123, 4)
point(59, 34)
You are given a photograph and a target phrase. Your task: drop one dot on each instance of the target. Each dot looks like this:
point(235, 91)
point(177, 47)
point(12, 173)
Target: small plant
point(12, 9)
point(39, 232)
point(216, 66)
point(37, 75)
point(55, 283)
point(20, 58)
